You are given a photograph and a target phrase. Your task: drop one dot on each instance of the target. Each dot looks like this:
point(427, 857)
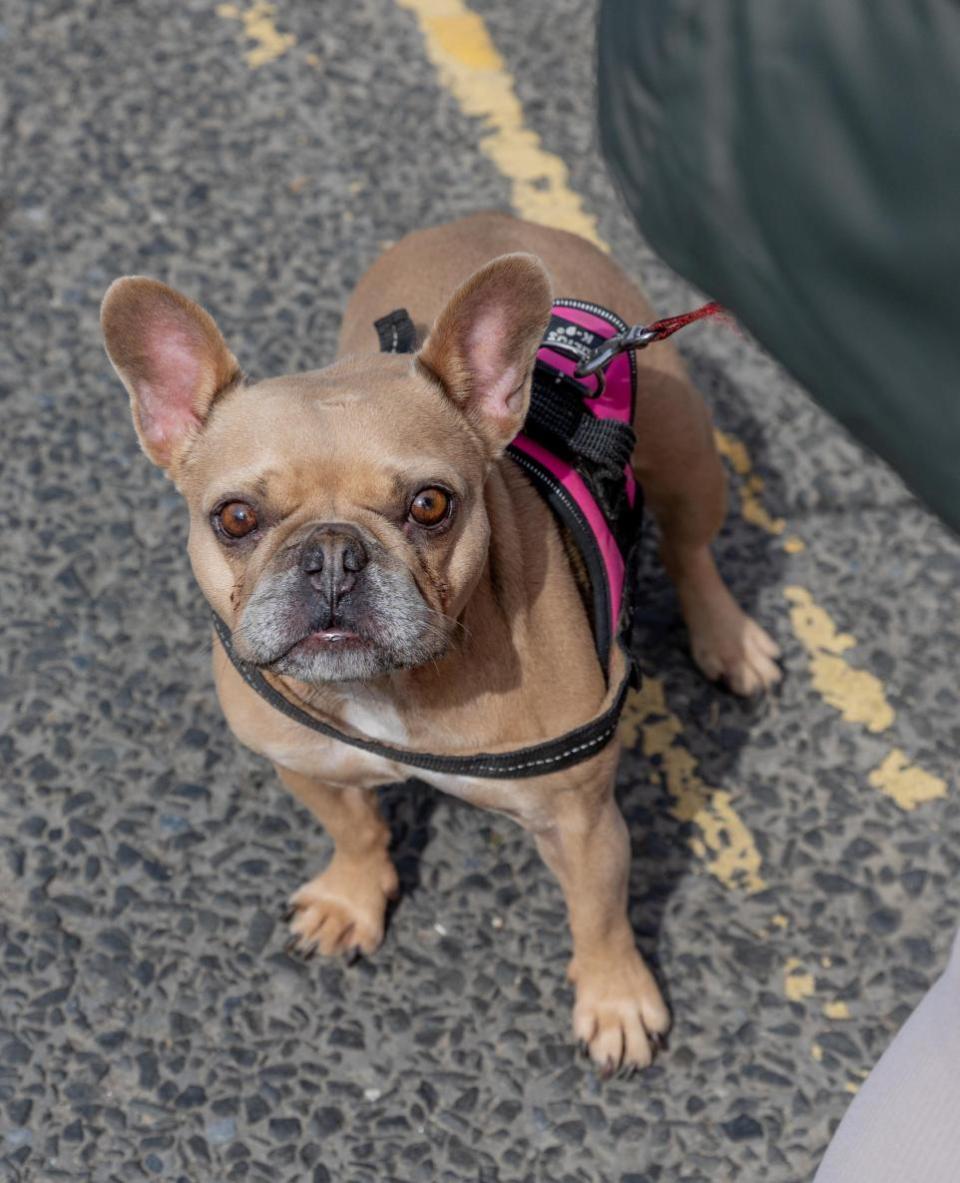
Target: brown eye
point(430, 507)
point(237, 519)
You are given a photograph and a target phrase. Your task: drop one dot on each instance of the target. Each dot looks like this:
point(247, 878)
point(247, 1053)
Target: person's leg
point(904, 1124)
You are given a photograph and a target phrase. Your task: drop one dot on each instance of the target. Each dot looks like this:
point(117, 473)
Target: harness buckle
point(637, 337)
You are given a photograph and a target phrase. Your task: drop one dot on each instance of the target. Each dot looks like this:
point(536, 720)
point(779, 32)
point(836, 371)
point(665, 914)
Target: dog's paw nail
point(290, 947)
point(608, 1068)
point(659, 1041)
point(288, 913)
point(351, 956)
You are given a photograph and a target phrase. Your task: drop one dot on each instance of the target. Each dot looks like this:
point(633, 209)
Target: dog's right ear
point(172, 359)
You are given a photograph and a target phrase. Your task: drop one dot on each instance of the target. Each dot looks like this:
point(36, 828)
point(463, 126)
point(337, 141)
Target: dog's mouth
point(331, 640)
point(338, 638)
point(332, 635)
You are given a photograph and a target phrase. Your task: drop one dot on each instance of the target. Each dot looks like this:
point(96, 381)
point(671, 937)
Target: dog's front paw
point(619, 1013)
point(342, 910)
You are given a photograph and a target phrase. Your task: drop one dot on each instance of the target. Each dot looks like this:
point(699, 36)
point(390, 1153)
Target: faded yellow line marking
point(908, 784)
point(259, 27)
point(471, 68)
point(836, 1010)
point(857, 694)
point(724, 843)
point(798, 982)
point(751, 506)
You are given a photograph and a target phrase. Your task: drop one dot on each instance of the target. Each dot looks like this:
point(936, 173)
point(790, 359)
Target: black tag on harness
point(572, 339)
point(396, 332)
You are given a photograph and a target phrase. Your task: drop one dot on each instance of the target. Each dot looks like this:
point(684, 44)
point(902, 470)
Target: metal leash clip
point(637, 337)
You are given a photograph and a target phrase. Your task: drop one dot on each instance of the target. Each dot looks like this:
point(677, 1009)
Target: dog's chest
point(315, 755)
point(336, 764)
point(376, 718)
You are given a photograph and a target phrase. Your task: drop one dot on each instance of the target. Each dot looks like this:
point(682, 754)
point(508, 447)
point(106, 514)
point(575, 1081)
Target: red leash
point(670, 324)
point(640, 336)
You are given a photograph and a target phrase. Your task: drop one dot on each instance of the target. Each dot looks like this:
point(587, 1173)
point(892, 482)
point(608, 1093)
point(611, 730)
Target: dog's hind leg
point(677, 464)
point(342, 909)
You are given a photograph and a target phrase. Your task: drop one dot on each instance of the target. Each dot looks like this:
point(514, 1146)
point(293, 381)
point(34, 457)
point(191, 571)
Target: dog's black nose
point(332, 557)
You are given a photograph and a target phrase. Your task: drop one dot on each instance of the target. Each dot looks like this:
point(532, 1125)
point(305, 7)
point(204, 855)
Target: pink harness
point(585, 475)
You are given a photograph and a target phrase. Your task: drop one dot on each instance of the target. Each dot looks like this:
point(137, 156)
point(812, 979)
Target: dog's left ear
point(484, 343)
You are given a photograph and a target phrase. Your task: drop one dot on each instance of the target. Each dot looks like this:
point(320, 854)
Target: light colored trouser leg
point(904, 1124)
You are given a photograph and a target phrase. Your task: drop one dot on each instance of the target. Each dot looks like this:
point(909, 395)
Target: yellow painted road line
point(857, 694)
point(724, 843)
point(751, 506)
point(472, 70)
point(259, 27)
point(908, 784)
point(860, 698)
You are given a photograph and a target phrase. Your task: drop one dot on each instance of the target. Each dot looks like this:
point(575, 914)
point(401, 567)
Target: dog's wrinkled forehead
point(345, 434)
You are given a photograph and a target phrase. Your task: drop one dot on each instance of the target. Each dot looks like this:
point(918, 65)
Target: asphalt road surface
point(795, 870)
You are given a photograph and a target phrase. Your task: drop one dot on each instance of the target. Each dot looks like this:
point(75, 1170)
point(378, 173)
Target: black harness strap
point(396, 332)
point(521, 763)
point(557, 412)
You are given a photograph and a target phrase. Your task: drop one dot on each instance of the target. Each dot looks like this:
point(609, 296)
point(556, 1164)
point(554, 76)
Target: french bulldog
point(370, 546)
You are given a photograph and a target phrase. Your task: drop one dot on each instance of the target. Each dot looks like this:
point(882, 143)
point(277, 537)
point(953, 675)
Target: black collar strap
point(540, 759)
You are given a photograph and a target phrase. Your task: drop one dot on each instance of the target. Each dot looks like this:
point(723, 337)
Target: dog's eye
point(430, 507)
point(237, 519)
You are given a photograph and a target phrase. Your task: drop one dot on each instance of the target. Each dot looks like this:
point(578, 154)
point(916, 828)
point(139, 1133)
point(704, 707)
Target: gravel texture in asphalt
point(151, 1025)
